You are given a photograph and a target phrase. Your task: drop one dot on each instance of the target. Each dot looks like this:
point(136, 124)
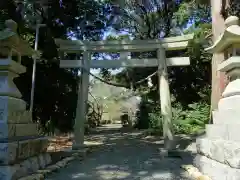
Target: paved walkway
point(124, 156)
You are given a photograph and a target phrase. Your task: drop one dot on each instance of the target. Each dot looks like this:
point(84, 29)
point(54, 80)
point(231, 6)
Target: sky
point(106, 34)
point(112, 32)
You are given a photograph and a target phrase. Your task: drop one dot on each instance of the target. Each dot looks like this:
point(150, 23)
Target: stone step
point(231, 102)
point(18, 117)
point(227, 116)
point(226, 152)
point(12, 152)
point(17, 130)
point(223, 131)
point(216, 170)
point(26, 167)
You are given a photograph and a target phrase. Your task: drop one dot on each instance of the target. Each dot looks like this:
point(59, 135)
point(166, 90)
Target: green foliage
point(234, 8)
point(185, 121)
point(192, 119)
point(188, 85)
point(143, 121)
point(155, 119)
point(55, 89)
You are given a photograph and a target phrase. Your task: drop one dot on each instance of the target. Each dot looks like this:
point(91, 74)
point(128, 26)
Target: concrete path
point(124, 156)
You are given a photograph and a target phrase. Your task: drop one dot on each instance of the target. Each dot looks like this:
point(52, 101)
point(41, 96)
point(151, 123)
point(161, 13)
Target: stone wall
point(219, 152)
point(20, 144)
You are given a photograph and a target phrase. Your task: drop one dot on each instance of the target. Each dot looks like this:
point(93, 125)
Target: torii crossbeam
point(160, 46)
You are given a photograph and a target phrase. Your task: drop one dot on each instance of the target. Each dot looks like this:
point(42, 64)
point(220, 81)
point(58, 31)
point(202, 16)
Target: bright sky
point(113, 33)
point(106, 34)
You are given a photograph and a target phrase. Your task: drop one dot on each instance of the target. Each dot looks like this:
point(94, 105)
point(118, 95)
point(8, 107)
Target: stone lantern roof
point(10, 41)
point(230, 36)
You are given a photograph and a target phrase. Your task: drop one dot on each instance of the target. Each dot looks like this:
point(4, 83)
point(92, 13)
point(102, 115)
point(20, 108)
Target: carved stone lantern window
point(232, 51)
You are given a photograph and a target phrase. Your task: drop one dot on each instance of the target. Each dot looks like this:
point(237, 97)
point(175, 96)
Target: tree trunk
point(219, 79)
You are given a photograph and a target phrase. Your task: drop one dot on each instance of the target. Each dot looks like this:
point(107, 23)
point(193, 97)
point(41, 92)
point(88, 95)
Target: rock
point(9, 172)
point(216, 170)
point(51, 149)
point(44, 171)
point(23, 149)
point(217, 152)
point(75, 155)
point(53, 168)
point(203, 178)
point(226, 152)
point(8, 152)
point(34, 164)
point(61, 164)
point(48, 159)
point(33, 177)
point(68, 159)
point(194, 173)
point(42, 161)
point(26, 167)
point(203, 146)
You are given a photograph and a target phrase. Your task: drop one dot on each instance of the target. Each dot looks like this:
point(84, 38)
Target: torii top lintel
point(171, 43)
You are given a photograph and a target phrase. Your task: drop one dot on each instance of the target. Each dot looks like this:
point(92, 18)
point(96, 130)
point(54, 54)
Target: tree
point(89, 20)
point(56, 89)
point(160, 19)
point(218, 78)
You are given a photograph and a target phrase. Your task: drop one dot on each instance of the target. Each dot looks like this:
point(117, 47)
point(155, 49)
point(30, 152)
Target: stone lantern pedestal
point(20, 143)
point(219, 152)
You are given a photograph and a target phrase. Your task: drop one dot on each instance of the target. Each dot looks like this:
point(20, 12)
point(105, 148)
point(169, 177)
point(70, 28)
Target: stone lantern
point(20, 143)
point(219, 151)
point(229, 43)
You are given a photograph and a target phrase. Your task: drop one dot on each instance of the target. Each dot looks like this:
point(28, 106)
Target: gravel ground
point(124, 156)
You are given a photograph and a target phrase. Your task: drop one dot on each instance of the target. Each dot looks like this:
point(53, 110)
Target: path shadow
point(127, 155)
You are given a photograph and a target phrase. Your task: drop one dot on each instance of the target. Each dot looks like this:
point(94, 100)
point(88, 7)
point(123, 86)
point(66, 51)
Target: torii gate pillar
point(81, 111)
point(165, 100)
point(124, 47)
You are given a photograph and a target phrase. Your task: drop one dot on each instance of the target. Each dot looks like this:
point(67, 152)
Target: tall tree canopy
point(56, 89)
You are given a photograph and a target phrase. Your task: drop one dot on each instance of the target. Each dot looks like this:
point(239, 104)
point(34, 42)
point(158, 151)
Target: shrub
point(185, 121)
point(192, 119)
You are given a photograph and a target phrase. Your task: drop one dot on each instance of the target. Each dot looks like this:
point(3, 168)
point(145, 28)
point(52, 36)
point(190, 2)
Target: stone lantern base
point(22, 150)
point(219, 152)
point(217, 157)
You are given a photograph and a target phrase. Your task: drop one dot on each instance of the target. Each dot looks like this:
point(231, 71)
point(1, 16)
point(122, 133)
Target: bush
point(155, 119)
point(142, 116)
point(185, 121)
point(192, 119)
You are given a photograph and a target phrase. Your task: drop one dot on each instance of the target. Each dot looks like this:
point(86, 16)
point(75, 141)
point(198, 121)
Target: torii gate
point(87, 47)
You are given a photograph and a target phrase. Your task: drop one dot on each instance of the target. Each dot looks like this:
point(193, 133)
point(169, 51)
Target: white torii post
point(83, 88)
point(167, 44)
point(165, 100)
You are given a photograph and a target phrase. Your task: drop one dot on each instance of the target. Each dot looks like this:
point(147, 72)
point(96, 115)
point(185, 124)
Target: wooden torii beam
point(175, 61)
point(160, 46)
